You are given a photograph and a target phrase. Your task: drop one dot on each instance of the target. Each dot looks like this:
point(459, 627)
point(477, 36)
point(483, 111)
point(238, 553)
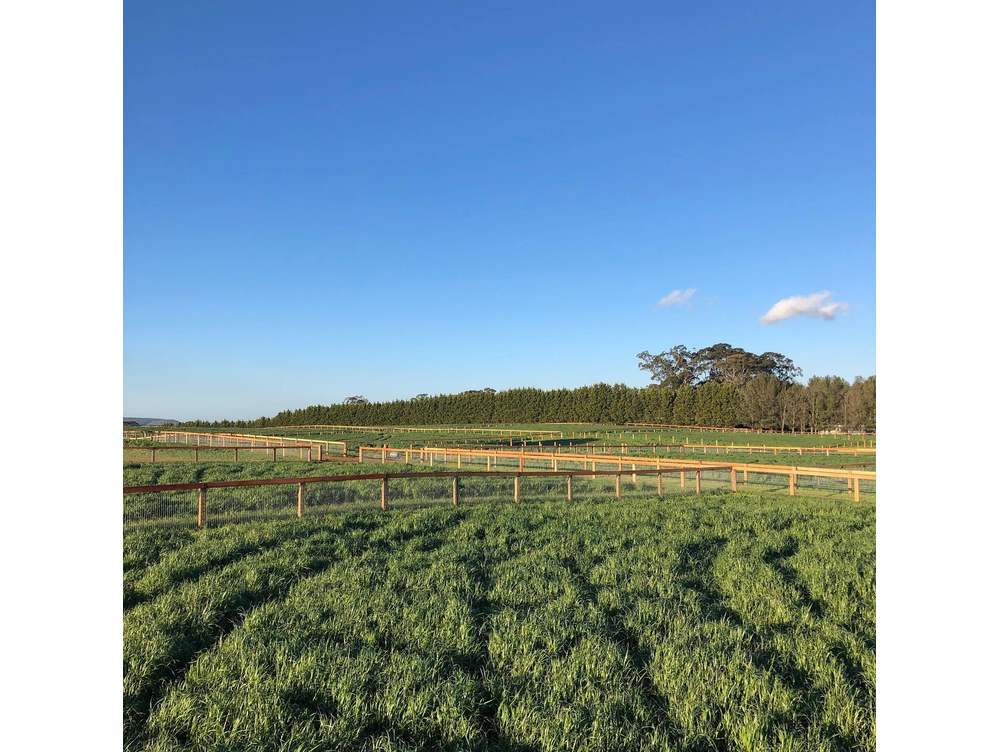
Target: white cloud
point(676, 297)
point(814, 305)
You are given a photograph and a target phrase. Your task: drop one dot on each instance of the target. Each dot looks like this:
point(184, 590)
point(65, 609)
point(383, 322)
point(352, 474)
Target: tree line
point(824, 403)
point(718, 385)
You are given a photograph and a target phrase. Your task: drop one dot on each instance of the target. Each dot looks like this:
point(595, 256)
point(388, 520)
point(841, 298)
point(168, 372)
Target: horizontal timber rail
point(716, 448)
point(434, 429)
point(307, 479)
point(749, 430)
point(432, 454)
point(219, 510)
point(305, 451)
point(202, 510)
point(428, 455)
point(247, 440)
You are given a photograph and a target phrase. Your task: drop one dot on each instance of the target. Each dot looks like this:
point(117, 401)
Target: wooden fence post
point(517, 489)
point(732, 478)
point(618, 485)
point(202, 508)
point(659, 484)
point(309, 454)
point(152, 452)
point(569, 488)
point(274, 454)
point(791, 484)
point(697, 481)
point(385, 492)
point(857, 489)
point(300, 506)
point(682, 479)
point(454, 492)
point(236, 454)
point(361, 454)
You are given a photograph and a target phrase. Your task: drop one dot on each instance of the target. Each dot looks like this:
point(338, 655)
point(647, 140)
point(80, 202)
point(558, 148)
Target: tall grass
point(740, 622)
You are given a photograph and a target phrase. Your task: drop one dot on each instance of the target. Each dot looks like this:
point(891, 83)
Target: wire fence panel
point(253, 504)
point(161, 509)
point(210, 497)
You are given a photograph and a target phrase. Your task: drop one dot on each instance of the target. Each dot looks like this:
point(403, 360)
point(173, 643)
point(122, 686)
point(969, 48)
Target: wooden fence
point(301, 482)
point(247, 440)
point(305, 451)
point(715, 448)
point(726, 429)
point(491, 457)
point(433, 429)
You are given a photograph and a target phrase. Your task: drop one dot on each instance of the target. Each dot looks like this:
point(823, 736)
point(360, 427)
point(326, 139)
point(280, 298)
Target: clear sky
point(325, 199)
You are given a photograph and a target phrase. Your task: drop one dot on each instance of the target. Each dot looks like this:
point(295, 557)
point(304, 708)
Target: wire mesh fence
point(185, 453)
point(204, 439)
point(821, 480)
point(250, 500)
point(161, 509)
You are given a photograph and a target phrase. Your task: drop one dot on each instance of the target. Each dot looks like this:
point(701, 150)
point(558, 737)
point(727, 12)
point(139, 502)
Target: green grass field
point(589, 433)
point(253, 504)
point(721, 622)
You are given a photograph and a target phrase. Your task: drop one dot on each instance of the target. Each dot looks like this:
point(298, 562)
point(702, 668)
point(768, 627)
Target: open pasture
point(548, 433)
point(269, 502)
point(739, 622)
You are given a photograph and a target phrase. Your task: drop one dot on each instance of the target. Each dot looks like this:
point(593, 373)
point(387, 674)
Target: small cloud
point(814, 305)
point(676, 297)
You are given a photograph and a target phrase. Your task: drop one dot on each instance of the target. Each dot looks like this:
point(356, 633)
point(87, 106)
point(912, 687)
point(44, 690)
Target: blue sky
point(324, 199)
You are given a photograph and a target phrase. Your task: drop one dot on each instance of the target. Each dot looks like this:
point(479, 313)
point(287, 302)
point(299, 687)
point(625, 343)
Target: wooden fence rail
point(235, 449)
point(204, 438)
point(427, 455)
point(301, 482)
point(432, 429)
point(726, 429)
point(716, 448)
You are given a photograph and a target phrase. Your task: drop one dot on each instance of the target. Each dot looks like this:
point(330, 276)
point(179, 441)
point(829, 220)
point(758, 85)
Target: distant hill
point(150, 421)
